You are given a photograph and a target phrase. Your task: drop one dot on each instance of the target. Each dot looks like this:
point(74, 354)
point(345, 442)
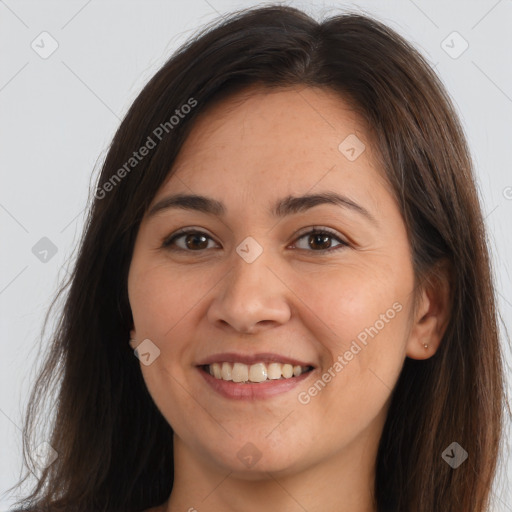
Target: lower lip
point(253, 391)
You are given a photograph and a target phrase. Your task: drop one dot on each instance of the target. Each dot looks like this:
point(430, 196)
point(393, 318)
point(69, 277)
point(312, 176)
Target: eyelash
point(315, 230)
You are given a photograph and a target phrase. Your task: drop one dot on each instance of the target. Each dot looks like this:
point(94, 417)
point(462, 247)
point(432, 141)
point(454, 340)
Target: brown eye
point(320, 240)
point(191, 241)
point(195, 241)
point(317, 240)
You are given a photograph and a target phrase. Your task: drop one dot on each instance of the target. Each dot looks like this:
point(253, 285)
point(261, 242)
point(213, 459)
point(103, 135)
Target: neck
point(342, 483)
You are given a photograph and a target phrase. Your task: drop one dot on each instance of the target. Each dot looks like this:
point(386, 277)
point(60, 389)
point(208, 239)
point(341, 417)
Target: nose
point(252, 297)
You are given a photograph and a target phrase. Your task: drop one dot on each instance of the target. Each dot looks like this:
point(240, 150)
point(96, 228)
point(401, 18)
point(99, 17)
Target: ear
point(432, 313)
point(133, 339)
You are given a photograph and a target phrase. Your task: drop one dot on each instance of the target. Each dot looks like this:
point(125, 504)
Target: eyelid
point(321, 229)
point(312, 230)
point(185, 231)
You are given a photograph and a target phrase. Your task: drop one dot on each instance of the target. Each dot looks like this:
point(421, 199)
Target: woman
point(286, 234)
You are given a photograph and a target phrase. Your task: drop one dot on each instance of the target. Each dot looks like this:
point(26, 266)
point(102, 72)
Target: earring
point(425, 345)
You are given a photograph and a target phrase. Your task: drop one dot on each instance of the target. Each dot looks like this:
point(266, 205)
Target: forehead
point(261, 140)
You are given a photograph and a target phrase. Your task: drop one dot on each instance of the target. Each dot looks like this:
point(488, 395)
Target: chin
point(253, 461)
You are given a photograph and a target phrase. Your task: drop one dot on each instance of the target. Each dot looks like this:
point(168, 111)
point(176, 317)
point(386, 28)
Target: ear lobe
point(133, 340)
point(432, 315)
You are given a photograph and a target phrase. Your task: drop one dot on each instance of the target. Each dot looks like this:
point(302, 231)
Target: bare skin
point(315, 451)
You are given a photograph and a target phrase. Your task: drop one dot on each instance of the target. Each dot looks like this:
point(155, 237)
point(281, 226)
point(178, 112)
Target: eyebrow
point(287, 206)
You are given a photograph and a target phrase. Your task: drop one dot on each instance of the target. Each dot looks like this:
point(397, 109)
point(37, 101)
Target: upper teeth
point(259, 372)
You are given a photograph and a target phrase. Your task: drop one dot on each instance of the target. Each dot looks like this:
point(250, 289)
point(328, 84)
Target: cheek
point(360, 319)
point(160, 303)
point(354, 301)
point(162, 297)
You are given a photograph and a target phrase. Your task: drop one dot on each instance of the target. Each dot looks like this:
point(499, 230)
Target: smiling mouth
point(254, 373)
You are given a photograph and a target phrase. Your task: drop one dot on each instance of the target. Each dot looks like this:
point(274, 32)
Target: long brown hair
point(114, 447)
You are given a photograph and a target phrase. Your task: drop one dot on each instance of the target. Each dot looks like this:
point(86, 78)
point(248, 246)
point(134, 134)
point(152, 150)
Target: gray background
point(59, 113)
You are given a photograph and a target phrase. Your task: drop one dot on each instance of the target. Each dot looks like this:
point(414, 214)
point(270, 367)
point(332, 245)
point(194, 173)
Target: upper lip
point(248, 359)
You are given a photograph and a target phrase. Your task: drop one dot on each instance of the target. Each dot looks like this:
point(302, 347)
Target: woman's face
point(254, 291)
